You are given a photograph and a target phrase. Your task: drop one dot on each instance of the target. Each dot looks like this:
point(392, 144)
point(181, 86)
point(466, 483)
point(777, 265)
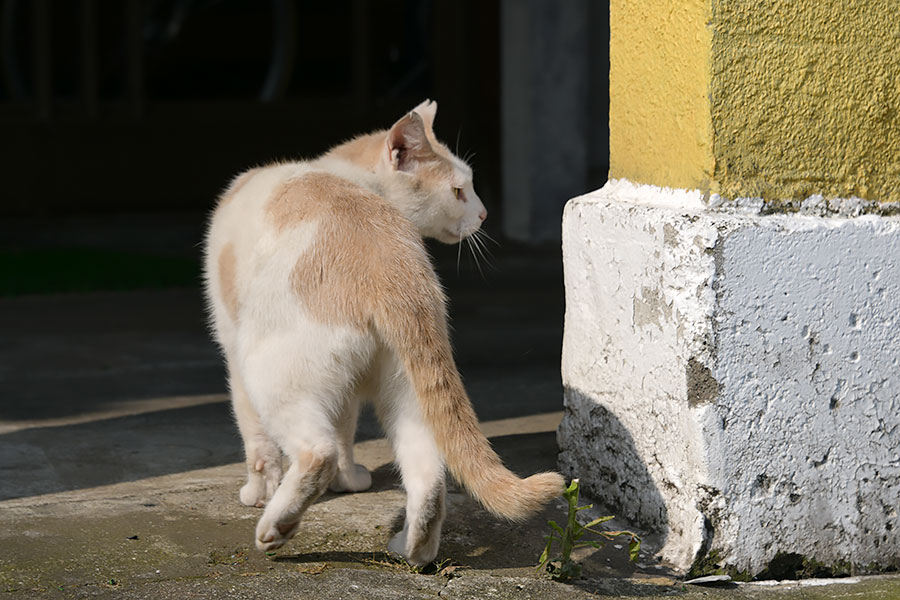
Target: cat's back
point(271, 220)
point(265, 204)
point(240, 208)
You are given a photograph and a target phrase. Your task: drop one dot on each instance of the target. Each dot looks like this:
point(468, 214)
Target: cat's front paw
point(271, 535)
point(357, 480)
point(263, 478)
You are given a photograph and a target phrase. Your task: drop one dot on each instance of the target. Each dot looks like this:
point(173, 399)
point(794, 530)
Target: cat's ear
point(427, 110)
point(407, 143)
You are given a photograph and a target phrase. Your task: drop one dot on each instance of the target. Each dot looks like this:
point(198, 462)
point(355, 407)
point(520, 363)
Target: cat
point(321, 295)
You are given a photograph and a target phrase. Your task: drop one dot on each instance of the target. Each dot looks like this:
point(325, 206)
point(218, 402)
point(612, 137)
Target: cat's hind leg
point(262, 455)
point(422, 470)
point(307, 426)
point(351, 477)
point(301, 390)
point(304, 427)
point(305, 480)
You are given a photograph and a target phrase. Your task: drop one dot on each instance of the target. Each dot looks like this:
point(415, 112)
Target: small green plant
point(562, 567)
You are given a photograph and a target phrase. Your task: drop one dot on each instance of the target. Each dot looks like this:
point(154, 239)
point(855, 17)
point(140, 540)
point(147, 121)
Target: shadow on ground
point(46, 460)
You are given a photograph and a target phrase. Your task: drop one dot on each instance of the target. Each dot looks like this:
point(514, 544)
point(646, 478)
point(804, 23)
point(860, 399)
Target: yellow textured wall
point(659, 114)
point(774, 98)
point(806, 98)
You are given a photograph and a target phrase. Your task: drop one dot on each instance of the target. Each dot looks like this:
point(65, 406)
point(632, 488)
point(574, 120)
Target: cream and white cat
point(322, 296)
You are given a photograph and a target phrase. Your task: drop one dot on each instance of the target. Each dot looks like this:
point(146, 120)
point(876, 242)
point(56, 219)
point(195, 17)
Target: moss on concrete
point(784, 566)
point(790, 565)
point(712, 564)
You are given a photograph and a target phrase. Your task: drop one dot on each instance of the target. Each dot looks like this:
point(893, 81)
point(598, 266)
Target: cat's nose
point(483, 214)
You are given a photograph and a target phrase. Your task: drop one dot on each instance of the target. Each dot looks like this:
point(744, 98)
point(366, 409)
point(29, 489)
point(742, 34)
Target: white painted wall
point(735, 378)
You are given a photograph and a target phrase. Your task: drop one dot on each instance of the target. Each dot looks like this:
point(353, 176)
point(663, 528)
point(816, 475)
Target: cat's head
point(426, 181)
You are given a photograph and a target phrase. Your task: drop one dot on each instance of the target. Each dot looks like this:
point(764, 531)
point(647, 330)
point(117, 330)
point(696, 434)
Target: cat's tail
point(413, 324)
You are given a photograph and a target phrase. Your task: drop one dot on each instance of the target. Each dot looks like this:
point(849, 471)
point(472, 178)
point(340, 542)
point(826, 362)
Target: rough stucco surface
point(806, 98)
point(735, 378)
point(658, 92)
point(757, 99)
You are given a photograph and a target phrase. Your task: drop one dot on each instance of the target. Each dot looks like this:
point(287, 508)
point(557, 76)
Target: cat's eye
point(459, 194)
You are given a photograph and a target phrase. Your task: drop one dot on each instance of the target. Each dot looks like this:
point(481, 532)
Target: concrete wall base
point(733, 379)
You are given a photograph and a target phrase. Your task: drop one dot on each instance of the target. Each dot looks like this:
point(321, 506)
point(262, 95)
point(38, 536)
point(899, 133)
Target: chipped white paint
point(735, 378)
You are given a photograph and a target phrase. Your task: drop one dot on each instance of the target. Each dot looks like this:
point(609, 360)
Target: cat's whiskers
point(474, 256)
point(479, 251)
point(485, 255)
point(459, 251)
point(485, 235)
point(492, 261)
point(478, 244)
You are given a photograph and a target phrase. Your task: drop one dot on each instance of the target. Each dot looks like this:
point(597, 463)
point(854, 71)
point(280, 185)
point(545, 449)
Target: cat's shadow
point(337, 556)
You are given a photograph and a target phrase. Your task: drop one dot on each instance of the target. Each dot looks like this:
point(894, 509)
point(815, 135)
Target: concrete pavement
point(120, 466)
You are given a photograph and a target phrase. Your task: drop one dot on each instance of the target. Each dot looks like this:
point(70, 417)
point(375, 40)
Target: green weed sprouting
point(562, 567)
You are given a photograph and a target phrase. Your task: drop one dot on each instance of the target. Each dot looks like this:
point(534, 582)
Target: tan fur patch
point(365, 248)
point(227, 280)
point(318, 470)
point(313, 195)
point(364, 150)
